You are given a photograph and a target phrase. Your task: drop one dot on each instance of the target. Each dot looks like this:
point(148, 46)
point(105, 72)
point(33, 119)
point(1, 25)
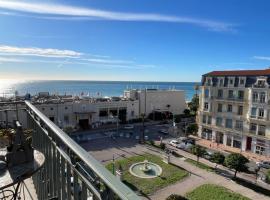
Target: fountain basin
point(145, 170)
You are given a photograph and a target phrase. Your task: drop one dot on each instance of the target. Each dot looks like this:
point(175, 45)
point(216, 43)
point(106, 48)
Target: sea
point(88, 88)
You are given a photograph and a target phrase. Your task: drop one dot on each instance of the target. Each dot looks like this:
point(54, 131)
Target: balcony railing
point(69, 171)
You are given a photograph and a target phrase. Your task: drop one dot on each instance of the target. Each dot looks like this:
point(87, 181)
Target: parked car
point(263, 164)
point(129, 127)
point(164, 132)
point(184, 146)
point(208, 154)
point(174, 143)
point(190, 141)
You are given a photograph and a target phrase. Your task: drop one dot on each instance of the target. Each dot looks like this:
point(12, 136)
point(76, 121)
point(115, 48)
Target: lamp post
point(142, 139)
point(113, 166)
point(143, 118)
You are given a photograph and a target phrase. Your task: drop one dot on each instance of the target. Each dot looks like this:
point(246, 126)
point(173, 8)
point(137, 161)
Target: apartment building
point(235, 109)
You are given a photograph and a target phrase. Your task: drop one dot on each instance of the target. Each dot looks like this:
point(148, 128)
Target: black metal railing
point(69, 171)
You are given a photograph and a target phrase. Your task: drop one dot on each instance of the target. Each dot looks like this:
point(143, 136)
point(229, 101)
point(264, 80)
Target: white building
point(235, 109)
point(158, 100)
point(84, 113)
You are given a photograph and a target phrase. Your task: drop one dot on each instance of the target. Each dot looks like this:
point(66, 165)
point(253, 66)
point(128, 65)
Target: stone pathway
point(180, 188)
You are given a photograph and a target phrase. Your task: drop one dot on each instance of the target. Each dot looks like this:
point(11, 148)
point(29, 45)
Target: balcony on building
point(69, 172)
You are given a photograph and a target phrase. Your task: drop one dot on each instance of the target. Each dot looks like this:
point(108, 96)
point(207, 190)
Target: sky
point(127, 40)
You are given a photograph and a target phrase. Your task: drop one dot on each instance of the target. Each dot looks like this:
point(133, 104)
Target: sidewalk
point(220, 147)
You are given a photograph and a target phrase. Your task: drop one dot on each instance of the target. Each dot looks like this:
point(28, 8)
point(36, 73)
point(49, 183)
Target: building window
point(219, 107)
point(209, 121)
point(221, 82)
point(220, 94)
point(66, 119)
point(255, 97)
point(51, 108)
point(261, 113)
point(253, 128)
point(229, 108)
point(260, 150)
point(208, 80)
point(218, 121)
point(262, 97)
point(240, 110)
point(261, 130)
point(66, 108)
point(132, 113)
point(43, 109)
point(237, 143)
point(241, 94)
point(206, 106)
point(206, 93)
point(230, 94)
point(51, 118)
point(253, 112)
point(231, 81)
point(261, 83)
point(242, 81)
point(239, 125)
point(229, 140)
point(204, 119)
point(228, 123)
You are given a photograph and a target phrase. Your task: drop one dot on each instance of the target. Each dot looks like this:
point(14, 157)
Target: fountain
point(145, 169)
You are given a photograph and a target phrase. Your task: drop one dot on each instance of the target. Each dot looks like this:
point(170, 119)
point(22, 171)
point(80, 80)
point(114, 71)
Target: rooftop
point(262, 72)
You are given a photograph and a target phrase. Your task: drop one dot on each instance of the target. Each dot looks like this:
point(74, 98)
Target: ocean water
point(90, 88)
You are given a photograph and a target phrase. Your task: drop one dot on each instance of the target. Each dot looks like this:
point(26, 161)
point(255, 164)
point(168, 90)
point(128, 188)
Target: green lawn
point(214, 192)
point(200, 165)
point(170, 174)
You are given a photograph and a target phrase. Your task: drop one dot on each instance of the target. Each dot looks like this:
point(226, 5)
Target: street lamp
point(142, 139)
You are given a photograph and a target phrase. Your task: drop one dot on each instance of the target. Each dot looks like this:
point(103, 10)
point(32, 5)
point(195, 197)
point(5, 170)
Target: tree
point(217, 158)
point(194, 104)
point(198, 151)
point(192, 128)
point(237, 162)
point(176, 197)
point(186, 112)
point(268, 176)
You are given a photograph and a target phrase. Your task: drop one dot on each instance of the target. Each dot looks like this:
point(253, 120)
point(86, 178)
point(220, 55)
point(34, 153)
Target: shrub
point(217, 158)
point(176, 197)
point(162, 146)
point(198, 151)
point(152, 142)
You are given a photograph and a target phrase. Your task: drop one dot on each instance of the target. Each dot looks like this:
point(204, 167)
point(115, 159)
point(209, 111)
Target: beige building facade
point(235, 109)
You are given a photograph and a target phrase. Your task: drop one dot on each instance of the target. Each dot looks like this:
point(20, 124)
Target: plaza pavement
point(104, 150)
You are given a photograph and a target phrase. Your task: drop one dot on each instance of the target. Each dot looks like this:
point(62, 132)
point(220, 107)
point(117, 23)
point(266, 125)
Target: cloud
point(262, 58)
point(32, 51)
point(59, 57)
point(107, 61)
point(60, 11)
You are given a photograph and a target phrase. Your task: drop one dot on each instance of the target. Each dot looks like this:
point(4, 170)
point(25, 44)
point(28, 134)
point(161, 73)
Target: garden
point(170, 174)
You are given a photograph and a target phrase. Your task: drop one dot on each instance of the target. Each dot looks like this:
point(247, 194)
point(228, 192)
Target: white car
point(264, 164)
point(184, 146)
point(129, 127)
point(174, 143)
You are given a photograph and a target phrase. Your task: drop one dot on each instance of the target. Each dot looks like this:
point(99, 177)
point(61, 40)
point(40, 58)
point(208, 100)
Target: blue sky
point(153, 40)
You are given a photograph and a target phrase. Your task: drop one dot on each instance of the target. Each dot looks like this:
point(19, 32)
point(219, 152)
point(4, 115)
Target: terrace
point(69, 172)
